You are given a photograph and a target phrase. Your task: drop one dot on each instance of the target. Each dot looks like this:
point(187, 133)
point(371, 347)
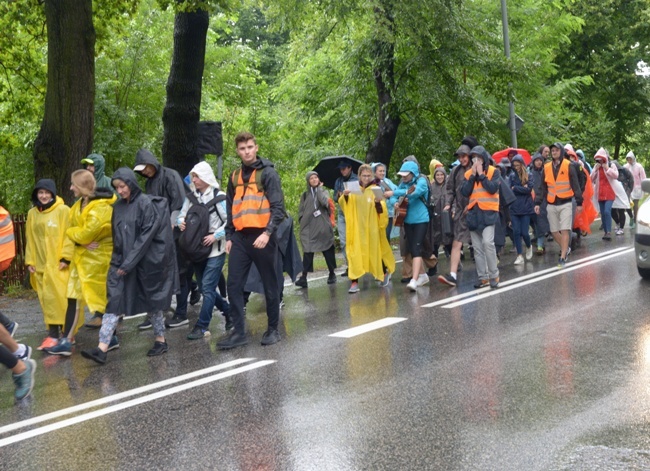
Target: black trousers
point(242, 255)
point(618, 215)
point(7, 358)
point(308, 261)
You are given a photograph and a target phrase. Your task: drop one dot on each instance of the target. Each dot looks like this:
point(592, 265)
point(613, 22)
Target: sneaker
point(494, 283)
point(385, 281)
point(354, 287)
point(27, 353)
point(195, 297)
point(541, 250)
point(234, 340)
point(270, 337)
point(561, 263)
point(529, 252)
point(95, 322)
point(447, 279)
point(177, 321)
point(158, 349)
point(24, 382)
point(631, 223)
point(145, 325)
point(345, 273)
point(482, 284)
point(114, 344)
point(12, 328)
point(432, 271)
point(412, 285)
point(63, 347)
point(48, 342)
point(95, 354)
point(423, 279)
point(607, 236)
point(331, 279)
point(519, 260)
point(620, 231)
point(301, 282)
point(198, 333)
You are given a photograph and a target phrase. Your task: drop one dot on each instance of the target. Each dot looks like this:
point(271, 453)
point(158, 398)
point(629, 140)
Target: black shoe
point(405, 280)
point(195, 297)
point(481, 284)
point(331, 279)
point(145, 325)
point(177, 321)
point(345, 273)
point(234, 340)
point(433, 271)
point(95, 354)
point(158, 349)
point(447, 279)
point(301, 282)
point(270, 337)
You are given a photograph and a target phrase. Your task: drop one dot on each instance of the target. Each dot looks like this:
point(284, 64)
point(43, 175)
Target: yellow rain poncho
point(366, 244)
point(90, 267)
point(45, 234)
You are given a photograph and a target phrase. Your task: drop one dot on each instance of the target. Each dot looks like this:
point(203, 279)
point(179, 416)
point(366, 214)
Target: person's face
point(314, 181)
point(439, 177)
point(629, 160)
point(365, 177)
point(247, 152)
point(538, 163)
point(517, 166)
point(573, 158)
point(555, 153)
point(464, 159)
point(346, 171)
point(407, 178)
point(199, 184)
point(90, 168)
point(149, 171)
point(122, 189)
point(380, 172)
point(75, 191)
point(545, 152)
point(44, 196)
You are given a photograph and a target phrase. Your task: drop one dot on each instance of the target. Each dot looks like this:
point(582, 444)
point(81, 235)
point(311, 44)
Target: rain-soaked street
point(549, 372)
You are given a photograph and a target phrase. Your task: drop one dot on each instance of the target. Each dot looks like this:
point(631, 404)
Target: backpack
point(626, 178)
point(197, 226)
point(429, 201)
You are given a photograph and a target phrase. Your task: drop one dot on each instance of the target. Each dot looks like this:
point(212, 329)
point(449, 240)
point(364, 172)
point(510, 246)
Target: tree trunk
point(381, 149)
point(66, 134)
point(182, 110)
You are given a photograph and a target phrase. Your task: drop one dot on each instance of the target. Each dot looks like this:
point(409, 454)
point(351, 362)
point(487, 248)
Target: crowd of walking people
point(120, 251)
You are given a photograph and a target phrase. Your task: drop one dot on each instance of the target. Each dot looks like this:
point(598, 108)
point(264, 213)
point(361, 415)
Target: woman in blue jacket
point(416, 190)
point(522, 209)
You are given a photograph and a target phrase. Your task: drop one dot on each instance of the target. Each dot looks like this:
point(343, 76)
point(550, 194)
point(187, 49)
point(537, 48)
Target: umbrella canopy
point(328, 168)
point(497, 156)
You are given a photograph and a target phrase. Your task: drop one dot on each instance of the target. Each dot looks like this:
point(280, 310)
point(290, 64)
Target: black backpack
point(626, 178)
point(197, 226)
point(429, 201)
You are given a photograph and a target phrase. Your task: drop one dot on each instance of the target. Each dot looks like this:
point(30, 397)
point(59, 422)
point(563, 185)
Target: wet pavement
point(549, 372)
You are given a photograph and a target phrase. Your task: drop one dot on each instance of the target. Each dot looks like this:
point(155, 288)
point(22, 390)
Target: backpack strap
point(258, 178)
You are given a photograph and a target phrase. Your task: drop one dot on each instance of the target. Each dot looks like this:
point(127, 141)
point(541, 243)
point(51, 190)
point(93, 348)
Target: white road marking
point(122, 395)
point(125, 405)
point(558, 272)
point(362, 329)
point(522, 278)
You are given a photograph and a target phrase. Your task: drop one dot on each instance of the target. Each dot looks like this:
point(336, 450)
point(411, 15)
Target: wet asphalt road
point(550, 372)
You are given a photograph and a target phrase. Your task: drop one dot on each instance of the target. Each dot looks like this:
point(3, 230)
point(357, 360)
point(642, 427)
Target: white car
point(642, 237)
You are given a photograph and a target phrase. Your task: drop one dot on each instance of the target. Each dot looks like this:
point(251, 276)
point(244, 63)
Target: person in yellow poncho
point(91, 241)
point(367, 248)
point(45, 259)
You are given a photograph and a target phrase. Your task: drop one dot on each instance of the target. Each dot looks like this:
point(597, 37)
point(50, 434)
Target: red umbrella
point(497, 156)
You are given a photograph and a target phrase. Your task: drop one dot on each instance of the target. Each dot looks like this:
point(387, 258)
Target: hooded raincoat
point(166, 183)
point(316, 232)
point(621, 201)
point(89, 268)
point(100, 172)
point(367, 245)
point(45, 249)
point(438, 192)
point(143, 247)
point(638, 173)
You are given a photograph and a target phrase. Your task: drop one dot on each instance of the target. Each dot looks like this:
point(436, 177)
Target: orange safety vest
point(486, 201)
point(560, 188)
point(7, 243)
point(250, 207)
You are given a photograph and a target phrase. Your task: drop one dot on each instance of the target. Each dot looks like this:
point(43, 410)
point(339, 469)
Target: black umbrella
point(328, 168)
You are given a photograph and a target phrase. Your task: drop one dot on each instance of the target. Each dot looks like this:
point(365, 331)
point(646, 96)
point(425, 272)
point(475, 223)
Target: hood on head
point(481, 152)
point(580, 154)
point(439, 170)
point(463, 150)
point(630, 155)
point(569, 148)
point(433, 165)
point(409, 166)
point(537, 156)
point(559, 146)
point(43, 184)
point(98, 161)
point(602, 155)
point(205, 173)
point(145, 157)
point(506, 162)
point(127, 176)
point(308, 176)
point(520, 159)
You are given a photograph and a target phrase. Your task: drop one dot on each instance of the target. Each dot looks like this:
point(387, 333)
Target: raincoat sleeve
point(323, 197)
point(93, 228)
point(30, 250)
point(149, 225)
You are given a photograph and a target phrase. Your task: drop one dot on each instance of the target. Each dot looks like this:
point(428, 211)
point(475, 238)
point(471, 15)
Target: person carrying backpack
point(202, 222)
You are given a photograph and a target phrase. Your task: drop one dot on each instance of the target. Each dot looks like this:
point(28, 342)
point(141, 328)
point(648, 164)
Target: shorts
point(559, 216)
point(461, 231)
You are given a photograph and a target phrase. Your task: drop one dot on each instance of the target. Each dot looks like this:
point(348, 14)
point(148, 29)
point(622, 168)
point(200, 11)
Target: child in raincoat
point(366, 216)
point(89, 237)
point(45, 259)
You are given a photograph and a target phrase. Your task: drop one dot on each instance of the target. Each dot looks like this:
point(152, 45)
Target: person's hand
point(479, 168)
point(228, 246)
point(92, 246)
point(346, 192)
point(209, 240)
point(446, 208)
point(63, 266)
point(31, 269)
point(181, 226)
point(388, 194)
point(579, 209)
point(262, 240)
point(121, 272)
point(537, 209)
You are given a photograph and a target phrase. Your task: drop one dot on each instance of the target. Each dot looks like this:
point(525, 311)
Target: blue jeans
point(207, 276)
point(520, 229)
point(606, 215)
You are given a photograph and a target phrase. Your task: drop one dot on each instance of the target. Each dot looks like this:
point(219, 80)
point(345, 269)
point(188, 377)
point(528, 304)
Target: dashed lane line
point(362, 329)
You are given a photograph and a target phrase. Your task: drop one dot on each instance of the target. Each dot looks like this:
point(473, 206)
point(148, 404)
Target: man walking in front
point(255, 208)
